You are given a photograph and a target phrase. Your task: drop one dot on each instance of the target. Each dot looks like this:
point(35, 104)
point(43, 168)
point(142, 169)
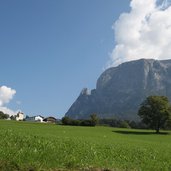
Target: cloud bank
point(144, 32)
point(6, 95)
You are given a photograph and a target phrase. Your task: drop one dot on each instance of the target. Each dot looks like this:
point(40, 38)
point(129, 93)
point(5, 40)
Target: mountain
point(120, 90)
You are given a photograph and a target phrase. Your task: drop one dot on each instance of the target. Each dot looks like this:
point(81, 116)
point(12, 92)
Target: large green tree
point(155, 111)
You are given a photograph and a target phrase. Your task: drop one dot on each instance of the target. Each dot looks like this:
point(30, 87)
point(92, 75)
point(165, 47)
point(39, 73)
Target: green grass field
point(39, 146)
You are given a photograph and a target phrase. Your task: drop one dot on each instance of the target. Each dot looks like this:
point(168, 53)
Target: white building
point(37, 118)
point(20, 116)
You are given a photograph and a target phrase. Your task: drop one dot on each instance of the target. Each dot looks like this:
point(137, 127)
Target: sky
point(51, 49)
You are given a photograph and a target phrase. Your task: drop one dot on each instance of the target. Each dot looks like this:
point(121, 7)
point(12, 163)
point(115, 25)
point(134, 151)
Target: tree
point(13, 117)
point(94, 119)
point(66, 120)
point(155, 111)
point(3, 116)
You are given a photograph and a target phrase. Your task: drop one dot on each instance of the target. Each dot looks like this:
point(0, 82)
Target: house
point(50, 119)
point(19, 116)
point(37, 118)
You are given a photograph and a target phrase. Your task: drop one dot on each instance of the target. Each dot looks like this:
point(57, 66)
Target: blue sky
point(51, 49)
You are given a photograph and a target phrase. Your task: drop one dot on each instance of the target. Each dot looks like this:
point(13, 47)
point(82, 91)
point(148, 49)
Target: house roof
point(50, 118)
point(40, 116)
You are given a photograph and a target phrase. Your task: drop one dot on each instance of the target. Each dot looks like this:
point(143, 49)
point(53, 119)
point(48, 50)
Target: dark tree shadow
point(139, 132)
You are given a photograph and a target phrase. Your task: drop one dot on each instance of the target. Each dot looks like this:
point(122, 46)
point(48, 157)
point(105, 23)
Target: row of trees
point(88, 122)
point(6, 116)
point(104, 122)
point(122, 123)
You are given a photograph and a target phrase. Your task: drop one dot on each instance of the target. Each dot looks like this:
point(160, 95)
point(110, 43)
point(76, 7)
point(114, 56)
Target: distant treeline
point(112, 122)
point(128, 124)
point(93, 121)
point(122, 123)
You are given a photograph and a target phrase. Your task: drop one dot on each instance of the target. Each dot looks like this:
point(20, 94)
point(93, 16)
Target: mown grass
point(36, 146)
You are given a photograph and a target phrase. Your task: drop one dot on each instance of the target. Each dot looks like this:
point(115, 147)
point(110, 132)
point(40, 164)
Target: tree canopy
point(155, 111)
point(94, 119)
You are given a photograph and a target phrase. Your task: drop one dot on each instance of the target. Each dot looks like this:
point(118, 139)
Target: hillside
point(120, 90)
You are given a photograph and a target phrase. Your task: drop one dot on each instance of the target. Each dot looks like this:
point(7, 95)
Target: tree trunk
point(158, 128)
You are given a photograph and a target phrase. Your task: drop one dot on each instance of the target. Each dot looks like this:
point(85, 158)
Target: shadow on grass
point(139, 132)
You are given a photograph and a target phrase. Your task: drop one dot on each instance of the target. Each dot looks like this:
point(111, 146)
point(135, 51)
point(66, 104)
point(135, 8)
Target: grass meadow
point(37, 146)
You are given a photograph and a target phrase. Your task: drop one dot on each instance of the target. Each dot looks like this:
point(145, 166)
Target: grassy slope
point(50, 146)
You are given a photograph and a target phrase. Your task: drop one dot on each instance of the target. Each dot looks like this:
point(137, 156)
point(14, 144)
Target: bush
point(75, 122)
point(66, 120)
point(124, 124)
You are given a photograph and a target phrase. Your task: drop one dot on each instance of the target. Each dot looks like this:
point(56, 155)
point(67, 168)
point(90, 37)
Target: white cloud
point(6, 95)
point(144, 32)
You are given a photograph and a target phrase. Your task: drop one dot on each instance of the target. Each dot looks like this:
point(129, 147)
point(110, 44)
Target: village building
point(37, 118)
point(50, 119)
point(19, 116)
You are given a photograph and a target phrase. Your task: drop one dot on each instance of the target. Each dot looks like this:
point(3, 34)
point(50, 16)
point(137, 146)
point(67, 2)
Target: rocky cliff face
point(120, 90)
